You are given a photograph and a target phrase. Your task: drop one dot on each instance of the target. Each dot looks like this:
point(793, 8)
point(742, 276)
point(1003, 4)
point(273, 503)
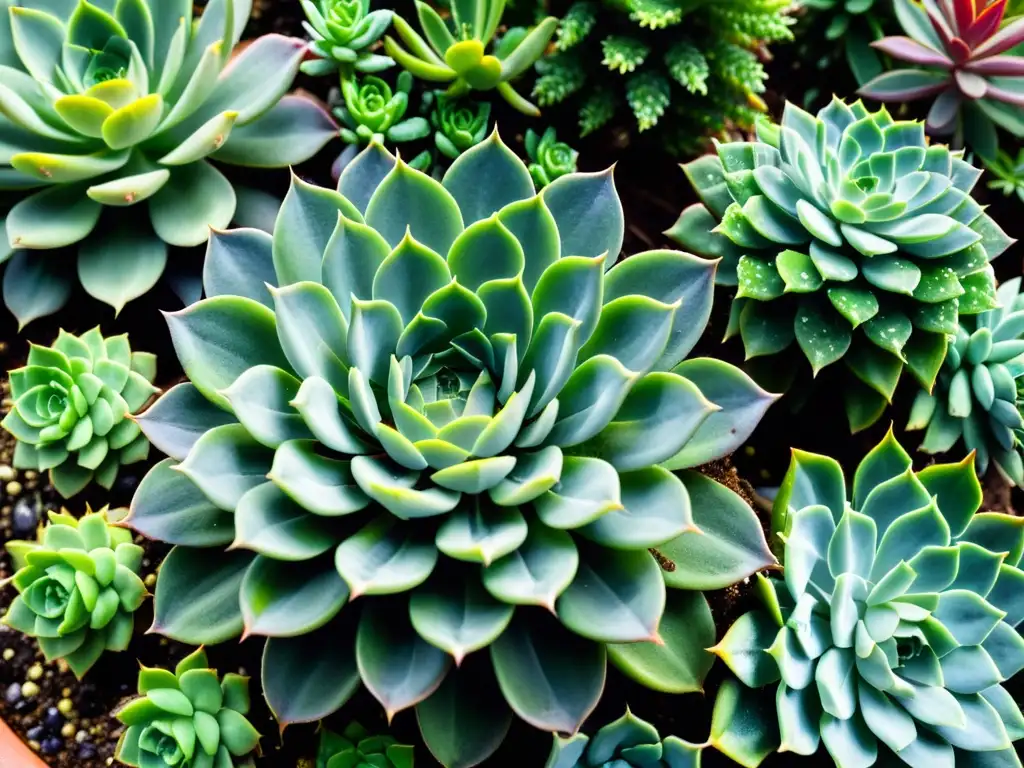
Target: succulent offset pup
point(977, 394)
point(549, 158)
point(851, 236)
point(894, 627)
point(78, 587)
point(356, 748)
point(459, 122)
point(72, 409)
point(107, 106)
point(342, 32)
point(449, 424)
point(188, 719)
point(629, 742)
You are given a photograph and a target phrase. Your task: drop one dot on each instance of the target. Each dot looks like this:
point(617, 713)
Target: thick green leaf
point(508, 179)
point(460, 620)
point(225, 463)
point(196, 199)
point(537, 572)
point(122, 266)
point(269, 522)
point(239, 262)
point(34, 287)
point(261, 399)
point(410, 201)
point(321, 485)
point(385, 557)
point(655, 509)
point(281, 599)
point(169, 507)
point(180, 417)
point(744, 649)
point(588, 213)
point(743, 725)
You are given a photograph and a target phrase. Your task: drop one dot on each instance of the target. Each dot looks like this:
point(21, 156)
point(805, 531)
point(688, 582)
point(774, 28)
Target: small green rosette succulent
point(976, 397)
point(343, 31)
point(459, 123)
point(111, 113)
point(373, 111)
point(72, 409)
point(355, 747)
point(849, 237)
point(895, 626)
point(78, 587)
point(549, 158)
point(629, 742)
point(188, 719)
point(447, 419)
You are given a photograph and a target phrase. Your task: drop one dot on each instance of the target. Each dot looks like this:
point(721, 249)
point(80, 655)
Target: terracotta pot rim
point(13, 751)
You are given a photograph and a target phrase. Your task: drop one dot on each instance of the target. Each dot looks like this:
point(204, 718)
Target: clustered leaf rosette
point(355, 747)
point(894, 628)
point(454, 50)
point(550, 159)
point(459, 123)
point(848, 234)
point(373, 112)
point(72, 408)
point(343, 32)
point(78, 587)
point(188, 719)
point(629, 742)
point(975, 398)
point(449, 425)
point(962, 46)
point(106, 106)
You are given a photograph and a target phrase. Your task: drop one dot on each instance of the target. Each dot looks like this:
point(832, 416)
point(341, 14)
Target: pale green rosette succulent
point(895, 626)
point(629, 742)
point(343, 31)
point(448, 418)
point(459, 123)
point(373, 112)
point(110, 114)
point(78, 587)
point(550, 159)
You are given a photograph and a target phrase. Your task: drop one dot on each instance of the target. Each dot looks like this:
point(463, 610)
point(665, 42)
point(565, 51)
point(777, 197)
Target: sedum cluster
point(187, 719)
point(107, 106)
point(629, 742)
point(72, 408)
point(436, 417)
point(355, 747)
point(976, 396)
point(894, 627)
point(850, 238)
point(78, 587)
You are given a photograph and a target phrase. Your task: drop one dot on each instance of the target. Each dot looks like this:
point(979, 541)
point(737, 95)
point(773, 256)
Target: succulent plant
point(850, 26)
point(894, 627)
point(848, 234)
point(550, 159)
point(459, 123)
point(355, 747)
point(975, 397)
point(962, 45)
point(625, 743)
point(456, 53)
point(373, 111)
point(343, 31)
point(1009, 174)
point(188, 719)
point(71, 409)
point(107, 106)
point(450, 415)
point(78, 587)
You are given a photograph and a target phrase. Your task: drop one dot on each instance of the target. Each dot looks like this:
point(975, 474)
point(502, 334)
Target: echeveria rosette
point(433, 435)
point(975, 398)
point(459, 123)
point(107, 106)
point(894, 628)
point(78, 586)
point(374, 112)
point(628, 742)
point(72, 408)
point(343, 31)
point(550, 159)
point(455, 50)
point(851, 236)
point(188, 719)
point(356, 747)
point(963, 47)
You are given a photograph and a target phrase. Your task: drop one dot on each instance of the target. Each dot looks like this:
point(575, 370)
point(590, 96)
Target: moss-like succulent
point(448, 417)
point(355, 747)
point(72, 404)
point(848, 234)
point(459, 123)
point(629, 742)
point(108, 107)
point(894, 629)
point(343, 32)
point(78, 586)
point(975, 398)
point(188, 719)
point(550, 159)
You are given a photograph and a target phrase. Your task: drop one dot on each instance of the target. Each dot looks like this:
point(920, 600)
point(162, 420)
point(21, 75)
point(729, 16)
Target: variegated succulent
point(78, 587)
point(188, 719)
point(975, 398)
point(894, 629)
point(356, 747)
point(446, 419)
point(343, 31)
point(850, 235)
point(72, 407)
point(629, 742)
point(105, 106)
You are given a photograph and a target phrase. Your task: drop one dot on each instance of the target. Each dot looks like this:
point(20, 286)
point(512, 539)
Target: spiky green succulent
point(459, 123)
point(626, 743)
point(107, 106)
point(343, 33)
point(894, 628)
point(188, 719)
point(71, 410)
point(975, 398)
point(550, 159)
point(848, 234)
point(447, 419)
point(355, 747)
point(78, 587)
point(455, 50)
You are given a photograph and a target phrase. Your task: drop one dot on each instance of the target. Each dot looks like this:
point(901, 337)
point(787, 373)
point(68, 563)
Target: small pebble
point(35, 671)
point(13, 693)
point(86, 752)
point(24, 518)
point(53, 719)
point(29, 689)
point(65, 706)
point(68, 731)
point(52, 746)
point(81, 736)
point(8, 654)
point(31, 474)
point(6, 473)
point(150, 580)
point(34, 745)
point(13, 488)
point(36, 733)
